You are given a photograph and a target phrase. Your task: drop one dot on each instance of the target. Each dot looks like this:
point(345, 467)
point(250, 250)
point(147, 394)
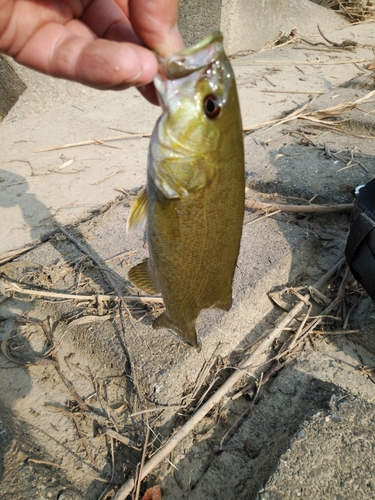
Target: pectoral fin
point(188, 333)
point(138, 213)
point(142, 278)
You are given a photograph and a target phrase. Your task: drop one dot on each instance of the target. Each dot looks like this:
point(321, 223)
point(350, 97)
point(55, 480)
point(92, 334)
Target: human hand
point(100, 43)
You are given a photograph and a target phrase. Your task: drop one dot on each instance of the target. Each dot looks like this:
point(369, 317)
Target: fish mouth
point(187, 61)
point(175, 71)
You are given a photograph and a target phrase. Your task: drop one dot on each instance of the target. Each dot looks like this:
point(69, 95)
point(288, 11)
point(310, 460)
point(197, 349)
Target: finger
point(58, 51)
point(107, 20)
point(155, 22)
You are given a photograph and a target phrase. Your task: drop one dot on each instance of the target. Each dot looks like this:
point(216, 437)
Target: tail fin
point(187, 333)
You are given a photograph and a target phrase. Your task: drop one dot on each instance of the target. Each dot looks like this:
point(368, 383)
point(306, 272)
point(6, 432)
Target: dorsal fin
point(138, 213)
point(142, 278)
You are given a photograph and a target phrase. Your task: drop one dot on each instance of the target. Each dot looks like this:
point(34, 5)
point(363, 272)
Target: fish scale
point(194, 197)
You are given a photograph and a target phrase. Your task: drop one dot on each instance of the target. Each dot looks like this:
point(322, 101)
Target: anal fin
point(138, 213)
point(142, 278)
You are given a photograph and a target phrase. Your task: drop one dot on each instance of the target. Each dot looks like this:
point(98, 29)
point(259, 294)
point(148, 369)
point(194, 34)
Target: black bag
point(360, 247)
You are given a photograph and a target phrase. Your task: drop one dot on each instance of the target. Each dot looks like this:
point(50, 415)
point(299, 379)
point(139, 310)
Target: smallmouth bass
point(194, 197)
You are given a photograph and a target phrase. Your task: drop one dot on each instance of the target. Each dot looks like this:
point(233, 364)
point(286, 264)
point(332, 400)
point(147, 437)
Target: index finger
point(59, 51)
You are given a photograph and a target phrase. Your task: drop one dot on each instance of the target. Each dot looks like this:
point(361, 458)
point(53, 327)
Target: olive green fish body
point(194, 197)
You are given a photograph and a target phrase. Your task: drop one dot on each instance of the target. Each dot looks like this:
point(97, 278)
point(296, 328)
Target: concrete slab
point(11, 86)
point(250, 24)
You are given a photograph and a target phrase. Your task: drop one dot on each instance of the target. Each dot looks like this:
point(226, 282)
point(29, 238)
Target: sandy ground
point(78, 374)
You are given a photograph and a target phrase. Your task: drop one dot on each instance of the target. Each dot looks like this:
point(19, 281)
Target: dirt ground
point(90, 393)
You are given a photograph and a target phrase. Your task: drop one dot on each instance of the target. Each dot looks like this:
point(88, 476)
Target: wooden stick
point(303, 209)
point(144, 451)
point(12, 287)
point(120, 437)
point(270, 214)
point(335, 332)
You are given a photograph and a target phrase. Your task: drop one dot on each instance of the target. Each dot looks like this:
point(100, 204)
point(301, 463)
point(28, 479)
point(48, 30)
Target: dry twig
point(301, 63)
point(335, 332)
point(317, 116)
point(140, 471)
point(94, 141)
point(235, 425)
point(305, 209)
point(346, 44)
point(7, 287)
point(119, 437)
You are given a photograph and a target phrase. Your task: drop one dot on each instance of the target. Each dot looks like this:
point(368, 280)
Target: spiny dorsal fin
point(141, 277)
point(189, 333)
point(138, 213)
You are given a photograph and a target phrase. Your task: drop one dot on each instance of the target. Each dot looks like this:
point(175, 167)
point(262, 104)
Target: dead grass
point(355, 11)
point(321, 117)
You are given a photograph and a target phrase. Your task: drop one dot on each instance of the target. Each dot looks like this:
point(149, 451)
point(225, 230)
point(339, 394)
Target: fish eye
point(211, 106)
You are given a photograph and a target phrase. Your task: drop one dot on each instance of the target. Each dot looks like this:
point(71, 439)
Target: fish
point(193, 201)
